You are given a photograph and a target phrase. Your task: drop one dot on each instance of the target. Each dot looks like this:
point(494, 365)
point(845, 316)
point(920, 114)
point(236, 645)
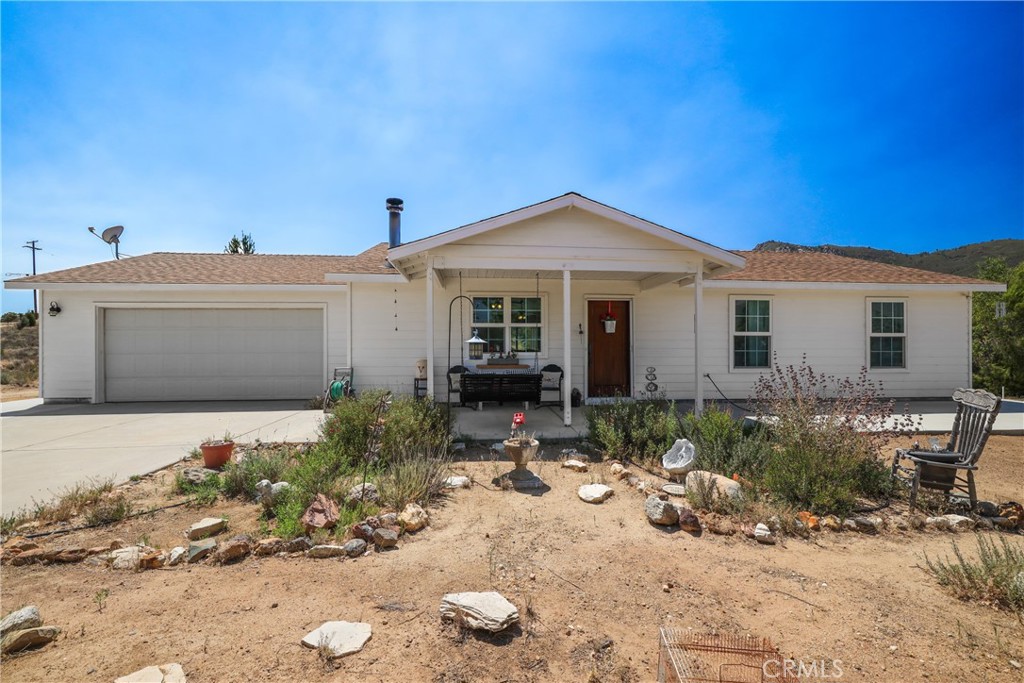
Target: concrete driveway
point(46, 448)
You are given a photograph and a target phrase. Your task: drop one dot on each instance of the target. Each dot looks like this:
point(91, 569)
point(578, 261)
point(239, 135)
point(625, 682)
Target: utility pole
point(31, 244)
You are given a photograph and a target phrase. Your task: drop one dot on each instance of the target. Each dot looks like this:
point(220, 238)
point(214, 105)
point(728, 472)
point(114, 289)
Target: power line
point(31, 244)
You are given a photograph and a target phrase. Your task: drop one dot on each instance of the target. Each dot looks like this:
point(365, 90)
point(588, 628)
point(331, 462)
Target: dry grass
point(19, 355)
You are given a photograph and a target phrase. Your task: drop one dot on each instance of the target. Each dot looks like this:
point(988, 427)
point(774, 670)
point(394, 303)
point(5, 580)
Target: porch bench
point(480, 387)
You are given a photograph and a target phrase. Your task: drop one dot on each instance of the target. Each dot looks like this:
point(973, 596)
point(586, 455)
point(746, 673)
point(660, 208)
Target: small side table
point(419, 387)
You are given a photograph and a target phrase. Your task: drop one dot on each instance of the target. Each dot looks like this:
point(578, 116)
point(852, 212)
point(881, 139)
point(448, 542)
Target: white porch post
point(567, 346)
point(430, 326)
point(698, 323)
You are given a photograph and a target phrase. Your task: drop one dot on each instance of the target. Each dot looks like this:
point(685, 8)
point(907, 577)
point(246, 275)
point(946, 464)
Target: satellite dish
point(111, 235)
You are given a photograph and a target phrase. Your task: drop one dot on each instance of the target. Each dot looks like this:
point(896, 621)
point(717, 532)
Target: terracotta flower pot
point(217, 453)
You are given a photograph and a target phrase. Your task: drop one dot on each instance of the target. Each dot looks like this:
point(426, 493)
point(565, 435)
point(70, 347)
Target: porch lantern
point(476, 346)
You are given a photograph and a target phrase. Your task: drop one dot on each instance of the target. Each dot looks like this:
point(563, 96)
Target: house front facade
point(621, 305)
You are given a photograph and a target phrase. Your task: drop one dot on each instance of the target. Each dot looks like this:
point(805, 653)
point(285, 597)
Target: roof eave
point(859, 286)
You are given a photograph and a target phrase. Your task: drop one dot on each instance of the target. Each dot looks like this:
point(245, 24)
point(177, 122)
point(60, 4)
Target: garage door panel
point(213, 354)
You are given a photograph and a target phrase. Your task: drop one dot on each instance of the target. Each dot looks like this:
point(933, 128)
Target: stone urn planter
point(216, 453)
point(521, 450)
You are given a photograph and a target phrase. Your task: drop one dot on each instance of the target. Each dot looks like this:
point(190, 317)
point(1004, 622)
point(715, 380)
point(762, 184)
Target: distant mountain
point(960, 261)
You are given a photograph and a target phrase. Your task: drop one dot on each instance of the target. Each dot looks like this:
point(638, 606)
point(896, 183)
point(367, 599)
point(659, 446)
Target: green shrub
point(824, 483)
point(205, 493)
point(109, 510)
point(997, 577)
point(723, 445)
point(240, 478)
point(288, 509)
point(635, 430)
point(10, 317)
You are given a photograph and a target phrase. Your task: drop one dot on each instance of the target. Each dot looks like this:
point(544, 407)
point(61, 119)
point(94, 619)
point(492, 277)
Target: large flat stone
point(200, 549)
point(340, 638)
point(206, 527)
point(488, 611)
point(595, 493)
point(26, 617)
point(16, 641)
point(165, 673)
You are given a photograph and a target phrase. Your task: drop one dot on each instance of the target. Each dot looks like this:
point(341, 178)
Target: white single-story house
point(540, 281)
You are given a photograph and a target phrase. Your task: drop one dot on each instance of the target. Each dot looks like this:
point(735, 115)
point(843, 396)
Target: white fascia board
point(859, 286)
point(727, 258)
point(116, 286)
point(365, 277)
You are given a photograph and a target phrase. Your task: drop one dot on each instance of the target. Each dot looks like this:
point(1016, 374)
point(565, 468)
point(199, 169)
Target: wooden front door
point(608, 362)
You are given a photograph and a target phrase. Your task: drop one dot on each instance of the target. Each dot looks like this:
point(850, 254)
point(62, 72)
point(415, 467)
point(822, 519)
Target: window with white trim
point(510, 323)
point(751, 332)
point(887, 334)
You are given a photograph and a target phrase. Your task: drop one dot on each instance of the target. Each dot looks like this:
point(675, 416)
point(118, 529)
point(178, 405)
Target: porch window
point(509, 323)
point(887, 334)
point(751, 333)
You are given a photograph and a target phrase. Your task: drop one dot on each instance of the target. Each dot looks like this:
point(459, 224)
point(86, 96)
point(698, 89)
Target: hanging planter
point(608, 320)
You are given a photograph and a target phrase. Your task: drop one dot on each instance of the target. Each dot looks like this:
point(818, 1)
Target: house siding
point(71, 346)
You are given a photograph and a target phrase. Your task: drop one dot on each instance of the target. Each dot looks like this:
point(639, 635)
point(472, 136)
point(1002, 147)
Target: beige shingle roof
point(775, 266)
point(277, 269)
point(165, 268)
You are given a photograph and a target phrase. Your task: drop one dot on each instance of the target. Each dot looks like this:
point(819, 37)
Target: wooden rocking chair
point(952, 468)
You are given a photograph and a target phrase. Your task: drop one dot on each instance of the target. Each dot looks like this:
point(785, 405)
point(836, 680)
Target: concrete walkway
point(46, 448)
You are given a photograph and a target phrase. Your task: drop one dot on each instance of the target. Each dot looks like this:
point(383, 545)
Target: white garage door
point(212, 354)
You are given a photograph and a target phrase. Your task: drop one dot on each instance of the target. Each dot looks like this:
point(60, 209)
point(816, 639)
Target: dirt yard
point(592, 584)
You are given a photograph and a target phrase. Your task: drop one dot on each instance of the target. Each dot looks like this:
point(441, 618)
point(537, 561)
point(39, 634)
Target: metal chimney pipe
point(395, 207)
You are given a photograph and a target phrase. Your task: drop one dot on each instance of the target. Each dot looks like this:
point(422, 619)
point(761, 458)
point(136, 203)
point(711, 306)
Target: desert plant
point(723, 445)
point(240, 478)
point(634, 430)
point(997, 577)
point(109, 510)
point(100, 598)
point(204, 493)
point(413, 475)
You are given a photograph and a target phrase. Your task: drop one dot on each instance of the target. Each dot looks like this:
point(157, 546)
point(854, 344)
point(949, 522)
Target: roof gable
point(570, 200)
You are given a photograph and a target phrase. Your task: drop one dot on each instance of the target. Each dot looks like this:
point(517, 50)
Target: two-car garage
point(214, 354)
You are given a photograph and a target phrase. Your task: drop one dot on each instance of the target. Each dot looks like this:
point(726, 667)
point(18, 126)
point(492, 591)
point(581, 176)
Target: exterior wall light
point(54, 308)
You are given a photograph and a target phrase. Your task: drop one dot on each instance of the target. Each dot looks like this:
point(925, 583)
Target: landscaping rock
point(576, 465)
point(677, 490)
point(363, 530)
point(165, 673)
point(936, 524)
point(725, 486)
point(366, 493)
point(127, 559)
point(595, 493)
point(1001, 522)
point(389, 519)
point(339, 638)
point(385, 538)
point(196, 475)
point(618, 471)
point(458, 482)
point(33, 556)
point(19, 620)
point(69, 555)
point(680, 458)
point(413, 517)
point(153, 560)
point(688, 521)
point(1013, 512)
point(298, 545)
point(987, 509)
point(200, 549)
point(176, 555)
point(16, 641)
point(762, 534)
point(233, 550)
point(959, 524)
point(898, 523)
point(20, 544)
point(831, 523)
point(268, 546)
point(355, 547)
point(267, 493)
point(984, 523)
point(660, 511)
point(488, 611)
point(206, 527)
point(719, 524)
point(808, 520)
point(321, 552)
point(322, 513)
point(865, 525)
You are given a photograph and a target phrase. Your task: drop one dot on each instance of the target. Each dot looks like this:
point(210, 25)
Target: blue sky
point(897, 126)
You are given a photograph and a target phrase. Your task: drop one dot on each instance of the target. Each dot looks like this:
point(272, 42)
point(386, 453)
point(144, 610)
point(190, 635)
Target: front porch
point(493, 422)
